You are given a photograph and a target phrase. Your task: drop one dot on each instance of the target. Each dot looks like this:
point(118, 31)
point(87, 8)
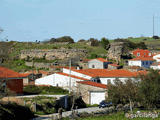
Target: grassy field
point(114, 116)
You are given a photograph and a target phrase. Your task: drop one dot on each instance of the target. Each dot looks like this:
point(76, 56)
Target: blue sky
point(30, 20)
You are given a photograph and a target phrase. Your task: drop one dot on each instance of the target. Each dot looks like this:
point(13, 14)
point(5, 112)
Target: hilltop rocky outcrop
point(117, 50)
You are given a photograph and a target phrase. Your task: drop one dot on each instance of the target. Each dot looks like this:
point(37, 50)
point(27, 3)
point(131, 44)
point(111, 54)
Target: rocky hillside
point(15, 54)
point(20, 52)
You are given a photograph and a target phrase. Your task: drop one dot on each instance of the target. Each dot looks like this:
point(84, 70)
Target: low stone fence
point(38, 65)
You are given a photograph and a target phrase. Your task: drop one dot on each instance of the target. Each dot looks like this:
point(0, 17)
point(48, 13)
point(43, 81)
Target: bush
point(94, 42)
point(155, 37)
point(92, 56)
point(31, 89)
point(104, 43)
point(13, 111)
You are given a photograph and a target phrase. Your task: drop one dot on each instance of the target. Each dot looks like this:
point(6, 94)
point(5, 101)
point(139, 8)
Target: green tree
point(141, 45)
point(60, 39)
point(94, 42)
point(149, 89)
point(65, 39)
point(123, 92)
point(104, 43)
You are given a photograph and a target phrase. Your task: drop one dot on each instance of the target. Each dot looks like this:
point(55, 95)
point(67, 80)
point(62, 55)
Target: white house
point(104, 76)
point(59, 79)
point(157, 57)
point(155, 66)
point(98, 63)
point(141, 62)
point(91, 83)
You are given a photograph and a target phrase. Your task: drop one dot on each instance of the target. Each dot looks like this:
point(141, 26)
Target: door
point(96, 97)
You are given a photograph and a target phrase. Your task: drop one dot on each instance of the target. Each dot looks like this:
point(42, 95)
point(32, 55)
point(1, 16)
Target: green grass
point(45, 105)
point(17, 65)
point(149, 41)
point(47, 90)
point(114, 116)
point(94, 105)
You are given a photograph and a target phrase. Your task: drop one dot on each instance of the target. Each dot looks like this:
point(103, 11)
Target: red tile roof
point(72, 76)
point(38, 71)
point(61, 67)
point(85, 60)
point(142, 59)
point(7, 73)
point(93, 84)
point(106, 73)
point(100, 59)
point(142, 53)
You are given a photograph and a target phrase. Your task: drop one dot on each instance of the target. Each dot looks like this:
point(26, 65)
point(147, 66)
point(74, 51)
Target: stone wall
point(38, 65)
point(52, 54)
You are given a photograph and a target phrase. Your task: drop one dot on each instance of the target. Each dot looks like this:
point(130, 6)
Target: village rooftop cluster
point(91, 81)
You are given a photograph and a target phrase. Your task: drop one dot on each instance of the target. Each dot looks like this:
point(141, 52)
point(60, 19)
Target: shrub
point(31, 89)
point(13, 111)
point(155, 37)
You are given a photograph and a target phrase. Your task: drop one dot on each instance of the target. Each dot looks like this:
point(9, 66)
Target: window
point(149, 54)
point(142, 63)
point(138, 54)
point(108, 81)
point(93, 66)
point(146, 62)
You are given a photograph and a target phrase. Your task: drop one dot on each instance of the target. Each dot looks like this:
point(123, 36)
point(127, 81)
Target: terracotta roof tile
point(142, 59)
point(72, 76)
point(100, 59)
point(93, 84)
point(7, 73)
point(106, 73)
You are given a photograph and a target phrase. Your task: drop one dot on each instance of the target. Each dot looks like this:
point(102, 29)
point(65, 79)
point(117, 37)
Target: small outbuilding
point(11, 80)
point(92, 92)
point(98, 63)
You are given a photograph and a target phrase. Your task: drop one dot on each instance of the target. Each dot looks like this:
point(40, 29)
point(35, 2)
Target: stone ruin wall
point(116, 50)
point(52, 54)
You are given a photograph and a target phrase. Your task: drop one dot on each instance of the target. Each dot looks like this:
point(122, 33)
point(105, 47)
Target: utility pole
point(70, 76)
point(153, 25)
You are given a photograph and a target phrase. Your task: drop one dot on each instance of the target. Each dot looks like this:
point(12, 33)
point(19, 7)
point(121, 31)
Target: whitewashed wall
point(106, 80)
point(63, 81)
point(155, 67)
point(156, 57)
point(135, 63)
point(57, 80)
point(97, 64)
point(47, 80)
